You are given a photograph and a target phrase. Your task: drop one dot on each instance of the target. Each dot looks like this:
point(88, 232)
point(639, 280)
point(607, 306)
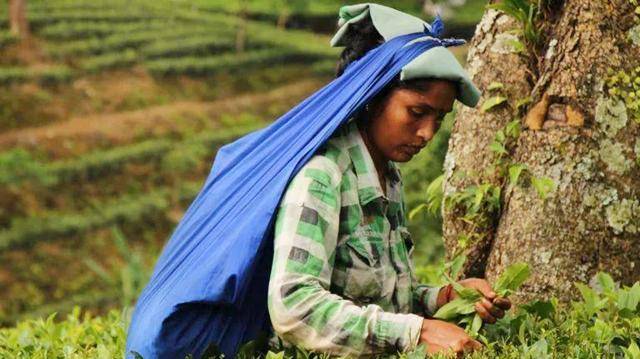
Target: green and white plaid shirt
point(342, 280)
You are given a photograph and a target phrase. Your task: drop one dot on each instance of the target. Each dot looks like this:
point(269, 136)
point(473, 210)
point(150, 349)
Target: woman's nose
point(427, 130)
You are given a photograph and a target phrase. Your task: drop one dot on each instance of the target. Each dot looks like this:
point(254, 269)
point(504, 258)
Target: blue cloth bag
point(209, 285)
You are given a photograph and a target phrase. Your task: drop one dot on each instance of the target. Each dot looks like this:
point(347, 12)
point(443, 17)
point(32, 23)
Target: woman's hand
point(490, 307)
point(440, 336)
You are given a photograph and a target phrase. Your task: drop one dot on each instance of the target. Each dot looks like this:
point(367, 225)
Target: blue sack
point(209, 285)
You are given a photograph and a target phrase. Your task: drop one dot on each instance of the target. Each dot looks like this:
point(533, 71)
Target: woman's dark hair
point(360, 38)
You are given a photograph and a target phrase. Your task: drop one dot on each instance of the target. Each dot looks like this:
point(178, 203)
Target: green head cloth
point(437, 62)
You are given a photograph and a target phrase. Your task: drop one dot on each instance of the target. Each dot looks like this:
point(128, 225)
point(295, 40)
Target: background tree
point(241, 28)
point(287, 8)
point(546, 170)
point(18, 24)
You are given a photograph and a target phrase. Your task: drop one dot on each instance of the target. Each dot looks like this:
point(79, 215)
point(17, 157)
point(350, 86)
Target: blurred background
point(110, 116)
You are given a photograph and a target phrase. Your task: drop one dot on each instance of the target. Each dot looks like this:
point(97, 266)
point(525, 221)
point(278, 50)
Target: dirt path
point(79, 134)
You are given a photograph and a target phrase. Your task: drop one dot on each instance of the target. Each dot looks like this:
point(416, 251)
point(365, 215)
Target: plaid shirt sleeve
point(303, 311)
point(425, 299)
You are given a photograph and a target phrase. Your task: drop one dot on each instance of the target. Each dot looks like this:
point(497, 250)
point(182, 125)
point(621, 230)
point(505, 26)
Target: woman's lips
point(412, 150)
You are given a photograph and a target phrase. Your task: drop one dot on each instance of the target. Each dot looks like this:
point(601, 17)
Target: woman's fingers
point(503, 303)
point(484, 312)
point(494, 310)
point(483, 287)
point(474, 345)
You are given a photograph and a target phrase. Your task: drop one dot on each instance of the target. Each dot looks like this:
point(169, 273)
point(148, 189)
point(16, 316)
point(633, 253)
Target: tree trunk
point(283, 18)
point(18, 24)
point(581, 130)
point(241, 30)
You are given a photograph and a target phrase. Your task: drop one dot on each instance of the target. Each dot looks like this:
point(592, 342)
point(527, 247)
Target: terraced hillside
point(70, 67)
point(110, 116)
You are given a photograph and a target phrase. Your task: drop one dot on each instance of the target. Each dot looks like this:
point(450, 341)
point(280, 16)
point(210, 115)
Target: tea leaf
point(455, 308)
point(629, 299)
point(476, 325)
point(513, 128)
point(512, 278)
point(514, 173)
point(455, 266)
point(633, 352)
point(492, 102)
point(498, 148)
point(606, 282)
point(414, 212)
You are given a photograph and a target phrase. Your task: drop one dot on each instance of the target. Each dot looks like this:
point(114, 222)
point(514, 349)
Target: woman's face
point(409, 118)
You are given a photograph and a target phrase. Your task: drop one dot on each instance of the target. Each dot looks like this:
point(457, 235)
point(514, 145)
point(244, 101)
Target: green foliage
point(175, 157)
point(131, 277)
point(6, 38)
point(18, 166)
point(225, 62)
point(604, 323)
point(435, 195)
point(74, 337)
point(515, 171)
point(46, 76)
point(543, 186)
point(492, 102)
point(462, 309)
point(495, 86)
point(119, 41)
point(475, 200)
point(512, 278)
point(54, 224)
point(83, 29)
point(189, 46)
point(108, 61)
point(93, 37)
point(422, 190)
point(526, 12)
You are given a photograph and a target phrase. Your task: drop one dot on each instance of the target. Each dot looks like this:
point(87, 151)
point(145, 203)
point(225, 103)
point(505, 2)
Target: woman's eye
point(417, 112)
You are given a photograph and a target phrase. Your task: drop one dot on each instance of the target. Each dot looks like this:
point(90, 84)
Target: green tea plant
point(225, 62)
point(18, 166)
point(603, 323)
point(83, 29)
point(131, 277)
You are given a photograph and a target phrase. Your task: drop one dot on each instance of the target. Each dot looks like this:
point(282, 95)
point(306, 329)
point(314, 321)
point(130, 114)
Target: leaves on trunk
point(492, 102)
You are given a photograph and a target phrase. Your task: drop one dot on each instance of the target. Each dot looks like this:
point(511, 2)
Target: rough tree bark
point(585, 138)
point(18, 24)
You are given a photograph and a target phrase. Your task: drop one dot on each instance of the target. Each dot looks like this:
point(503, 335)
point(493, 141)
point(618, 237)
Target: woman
point(342, 279)
point(210, 284)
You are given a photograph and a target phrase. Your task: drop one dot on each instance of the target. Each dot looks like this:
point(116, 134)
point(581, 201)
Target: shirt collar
point(368, 184)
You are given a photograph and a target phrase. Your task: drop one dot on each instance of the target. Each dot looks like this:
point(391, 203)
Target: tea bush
point(604, 323)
